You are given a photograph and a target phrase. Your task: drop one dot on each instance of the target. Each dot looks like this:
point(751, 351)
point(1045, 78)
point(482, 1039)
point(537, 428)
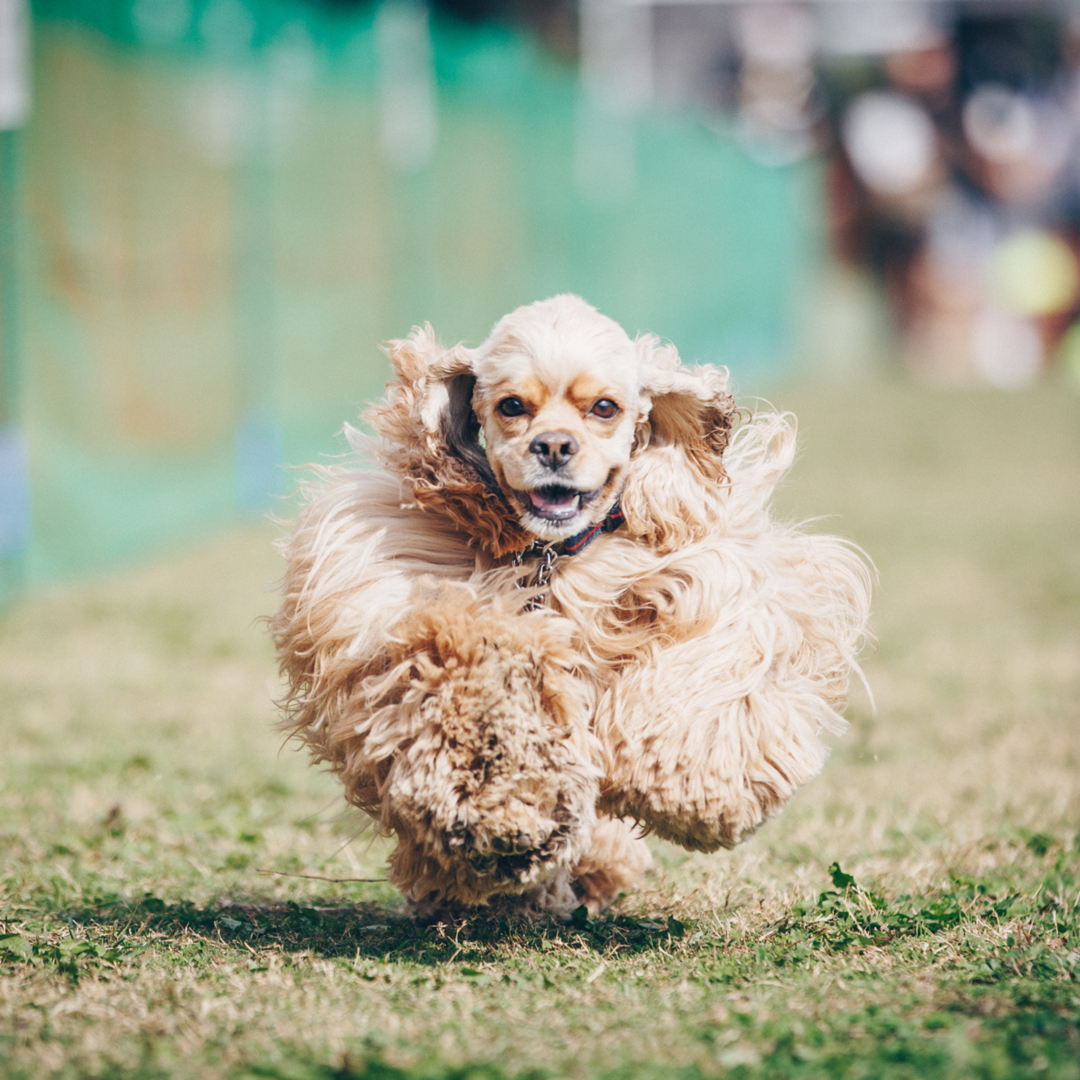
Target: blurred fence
point(217, 210)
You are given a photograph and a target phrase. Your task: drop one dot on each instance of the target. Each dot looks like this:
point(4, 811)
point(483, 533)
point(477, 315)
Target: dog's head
point(558, 398)
point(536, 433)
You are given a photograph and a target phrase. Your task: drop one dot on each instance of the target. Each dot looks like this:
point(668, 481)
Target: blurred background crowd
point(211, 211)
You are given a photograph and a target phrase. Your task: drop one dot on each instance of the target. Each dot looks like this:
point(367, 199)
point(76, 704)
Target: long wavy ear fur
point(672, 490)
point(432, 439)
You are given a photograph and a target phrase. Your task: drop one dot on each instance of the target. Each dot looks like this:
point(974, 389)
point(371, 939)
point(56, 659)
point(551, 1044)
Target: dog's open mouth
point(557, 503)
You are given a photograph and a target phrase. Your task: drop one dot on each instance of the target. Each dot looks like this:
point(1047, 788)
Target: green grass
point(912, 914)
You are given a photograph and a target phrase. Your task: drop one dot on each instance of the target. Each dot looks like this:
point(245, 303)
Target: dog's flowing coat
point(679, 672)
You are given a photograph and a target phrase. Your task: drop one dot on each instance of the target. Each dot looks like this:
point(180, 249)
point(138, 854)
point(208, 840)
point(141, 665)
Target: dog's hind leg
point(492, 783)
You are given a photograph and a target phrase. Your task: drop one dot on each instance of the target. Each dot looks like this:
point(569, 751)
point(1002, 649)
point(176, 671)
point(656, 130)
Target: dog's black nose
point(554, 448)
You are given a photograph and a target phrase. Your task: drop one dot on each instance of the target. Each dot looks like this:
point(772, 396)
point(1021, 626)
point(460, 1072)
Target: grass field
point(914, 913)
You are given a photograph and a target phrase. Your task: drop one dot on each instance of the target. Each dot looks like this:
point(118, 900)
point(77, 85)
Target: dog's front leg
point(492, 781)
point(702, 744)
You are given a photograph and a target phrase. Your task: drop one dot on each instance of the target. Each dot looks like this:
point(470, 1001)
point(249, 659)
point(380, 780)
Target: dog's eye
point(511, 406)
point(605, 408)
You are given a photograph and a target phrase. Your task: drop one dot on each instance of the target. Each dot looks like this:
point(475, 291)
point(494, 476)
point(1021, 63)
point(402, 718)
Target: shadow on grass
point(375, 1068)
point(368, 930)
point(300, 1067)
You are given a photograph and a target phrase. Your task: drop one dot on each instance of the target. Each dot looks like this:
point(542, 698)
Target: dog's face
point(558, 398)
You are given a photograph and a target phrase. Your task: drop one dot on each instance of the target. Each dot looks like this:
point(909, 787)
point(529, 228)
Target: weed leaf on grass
point(16, 946)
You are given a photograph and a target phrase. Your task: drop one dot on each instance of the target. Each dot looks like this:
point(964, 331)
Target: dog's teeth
point(555, 502)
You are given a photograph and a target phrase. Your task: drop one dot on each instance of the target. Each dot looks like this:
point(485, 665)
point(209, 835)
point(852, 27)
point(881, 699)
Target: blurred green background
point(216, 211)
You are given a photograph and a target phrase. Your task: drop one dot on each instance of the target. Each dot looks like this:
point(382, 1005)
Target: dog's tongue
point(554, 500)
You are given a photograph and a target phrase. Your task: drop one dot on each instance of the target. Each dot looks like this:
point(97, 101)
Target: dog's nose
point(554, 448)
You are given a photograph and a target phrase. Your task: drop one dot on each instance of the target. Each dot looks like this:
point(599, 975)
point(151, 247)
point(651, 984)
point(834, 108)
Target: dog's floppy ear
point(673, 488)
point(433, 439)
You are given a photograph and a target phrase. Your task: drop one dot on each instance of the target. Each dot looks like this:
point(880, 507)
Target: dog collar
point(578, 543)
point(573, 544)
point(548, 553)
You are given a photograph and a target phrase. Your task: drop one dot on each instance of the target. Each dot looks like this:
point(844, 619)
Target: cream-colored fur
point(677, 673)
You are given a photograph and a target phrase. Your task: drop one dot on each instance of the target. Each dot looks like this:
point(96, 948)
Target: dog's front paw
point(497, 787)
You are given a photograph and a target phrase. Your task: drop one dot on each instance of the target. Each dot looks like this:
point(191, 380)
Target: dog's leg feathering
point(494, 788)
point(708, 737)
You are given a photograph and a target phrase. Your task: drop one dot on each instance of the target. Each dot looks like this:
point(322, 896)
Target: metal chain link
point(541, 575)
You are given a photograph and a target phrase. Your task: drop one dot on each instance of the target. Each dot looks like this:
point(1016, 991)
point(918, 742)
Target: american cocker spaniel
point(546, 609)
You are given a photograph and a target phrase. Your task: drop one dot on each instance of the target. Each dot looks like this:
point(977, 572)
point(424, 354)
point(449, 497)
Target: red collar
point(578, 543)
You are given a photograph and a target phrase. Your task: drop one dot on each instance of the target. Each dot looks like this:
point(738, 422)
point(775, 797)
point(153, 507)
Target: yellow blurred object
point(1034, 273)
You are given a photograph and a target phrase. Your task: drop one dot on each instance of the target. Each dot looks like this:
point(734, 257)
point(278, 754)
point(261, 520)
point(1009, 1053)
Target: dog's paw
point(618, 859)
point(552, 898)
point(497, 787)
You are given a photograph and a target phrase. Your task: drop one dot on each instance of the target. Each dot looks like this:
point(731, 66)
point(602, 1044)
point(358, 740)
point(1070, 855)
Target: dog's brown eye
point(605, 408)
point(511, 406)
